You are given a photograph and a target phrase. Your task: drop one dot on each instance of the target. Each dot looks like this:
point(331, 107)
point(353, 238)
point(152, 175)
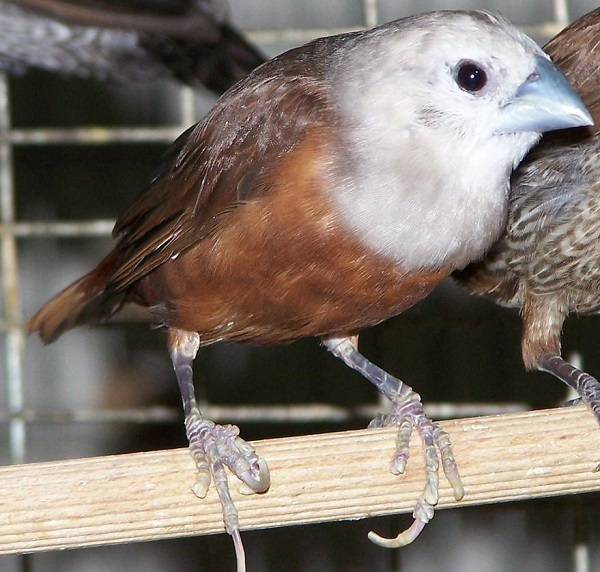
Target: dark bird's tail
point(216, 66)
point(89, 300)
point(127, 40)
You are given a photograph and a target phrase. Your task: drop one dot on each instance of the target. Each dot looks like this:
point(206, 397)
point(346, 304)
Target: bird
point(331, 189)
point(576, 51)
point(189, 41)
point(546, 262)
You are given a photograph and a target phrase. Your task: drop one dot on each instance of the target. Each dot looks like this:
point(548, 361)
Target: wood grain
point(315, 478)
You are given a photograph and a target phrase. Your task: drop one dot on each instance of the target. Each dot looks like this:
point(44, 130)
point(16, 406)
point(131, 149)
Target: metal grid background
point(72, 155)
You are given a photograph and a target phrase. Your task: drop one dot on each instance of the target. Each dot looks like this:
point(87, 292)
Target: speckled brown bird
point(127, 40)
point(331, 189)
point(547, 262)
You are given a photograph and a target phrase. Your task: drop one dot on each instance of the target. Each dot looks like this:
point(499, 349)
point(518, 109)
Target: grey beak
point(545, 102)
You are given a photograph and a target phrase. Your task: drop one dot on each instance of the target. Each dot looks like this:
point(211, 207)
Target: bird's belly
point(280, 279)
point(279, 309)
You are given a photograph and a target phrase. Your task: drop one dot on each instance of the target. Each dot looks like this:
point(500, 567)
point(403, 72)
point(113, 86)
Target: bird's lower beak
point(545, 102)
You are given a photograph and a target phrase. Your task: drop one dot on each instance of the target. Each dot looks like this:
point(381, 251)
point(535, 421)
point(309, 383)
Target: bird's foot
point(408, 414)
point(586, 386)
point(214, 447)
point(573, 402)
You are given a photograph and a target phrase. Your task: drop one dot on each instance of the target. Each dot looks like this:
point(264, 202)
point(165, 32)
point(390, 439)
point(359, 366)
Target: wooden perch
point(145, 496)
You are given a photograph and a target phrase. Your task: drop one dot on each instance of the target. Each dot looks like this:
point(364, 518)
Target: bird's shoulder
point(220, 164)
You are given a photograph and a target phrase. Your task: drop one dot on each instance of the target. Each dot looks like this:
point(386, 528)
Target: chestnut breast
point(280, 266)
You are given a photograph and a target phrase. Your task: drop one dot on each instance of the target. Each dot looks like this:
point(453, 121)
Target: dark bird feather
point(189, 41)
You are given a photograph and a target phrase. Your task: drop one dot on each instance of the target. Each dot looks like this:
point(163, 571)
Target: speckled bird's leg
point(215, 446)
point(586, 386)
point(407, 414)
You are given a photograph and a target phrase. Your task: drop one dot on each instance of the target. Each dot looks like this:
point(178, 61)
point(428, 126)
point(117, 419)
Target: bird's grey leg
point(407, 414)
point(586, 386)
point(215, 446)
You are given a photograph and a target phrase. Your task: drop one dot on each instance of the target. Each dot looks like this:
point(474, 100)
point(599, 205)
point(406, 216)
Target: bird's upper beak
point(544, 102)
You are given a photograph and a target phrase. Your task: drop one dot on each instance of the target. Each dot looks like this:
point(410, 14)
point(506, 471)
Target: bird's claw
point(214, 447)
point(422, 513)
point(256, 480)
point(586, 386)
point(407, 414)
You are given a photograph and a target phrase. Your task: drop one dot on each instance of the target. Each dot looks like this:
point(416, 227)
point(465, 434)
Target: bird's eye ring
point(470, 76)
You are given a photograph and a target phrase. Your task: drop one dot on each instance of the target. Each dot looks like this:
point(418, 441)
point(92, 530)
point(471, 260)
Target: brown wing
point(211, 168)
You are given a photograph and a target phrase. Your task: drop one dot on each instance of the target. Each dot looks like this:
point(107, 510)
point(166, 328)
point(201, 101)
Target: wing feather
point(247, 134)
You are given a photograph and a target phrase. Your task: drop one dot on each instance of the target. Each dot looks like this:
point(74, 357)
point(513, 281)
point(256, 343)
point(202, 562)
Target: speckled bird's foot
point(586, 386)
point(407, 414)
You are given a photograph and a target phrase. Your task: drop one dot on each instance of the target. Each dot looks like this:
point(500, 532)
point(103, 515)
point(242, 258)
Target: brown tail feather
point(87, 301)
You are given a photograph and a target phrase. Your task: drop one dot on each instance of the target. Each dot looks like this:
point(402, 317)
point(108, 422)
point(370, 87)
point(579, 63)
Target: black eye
point(470, 77)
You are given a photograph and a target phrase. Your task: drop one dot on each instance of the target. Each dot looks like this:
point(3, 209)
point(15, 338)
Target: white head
point(436, 111)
